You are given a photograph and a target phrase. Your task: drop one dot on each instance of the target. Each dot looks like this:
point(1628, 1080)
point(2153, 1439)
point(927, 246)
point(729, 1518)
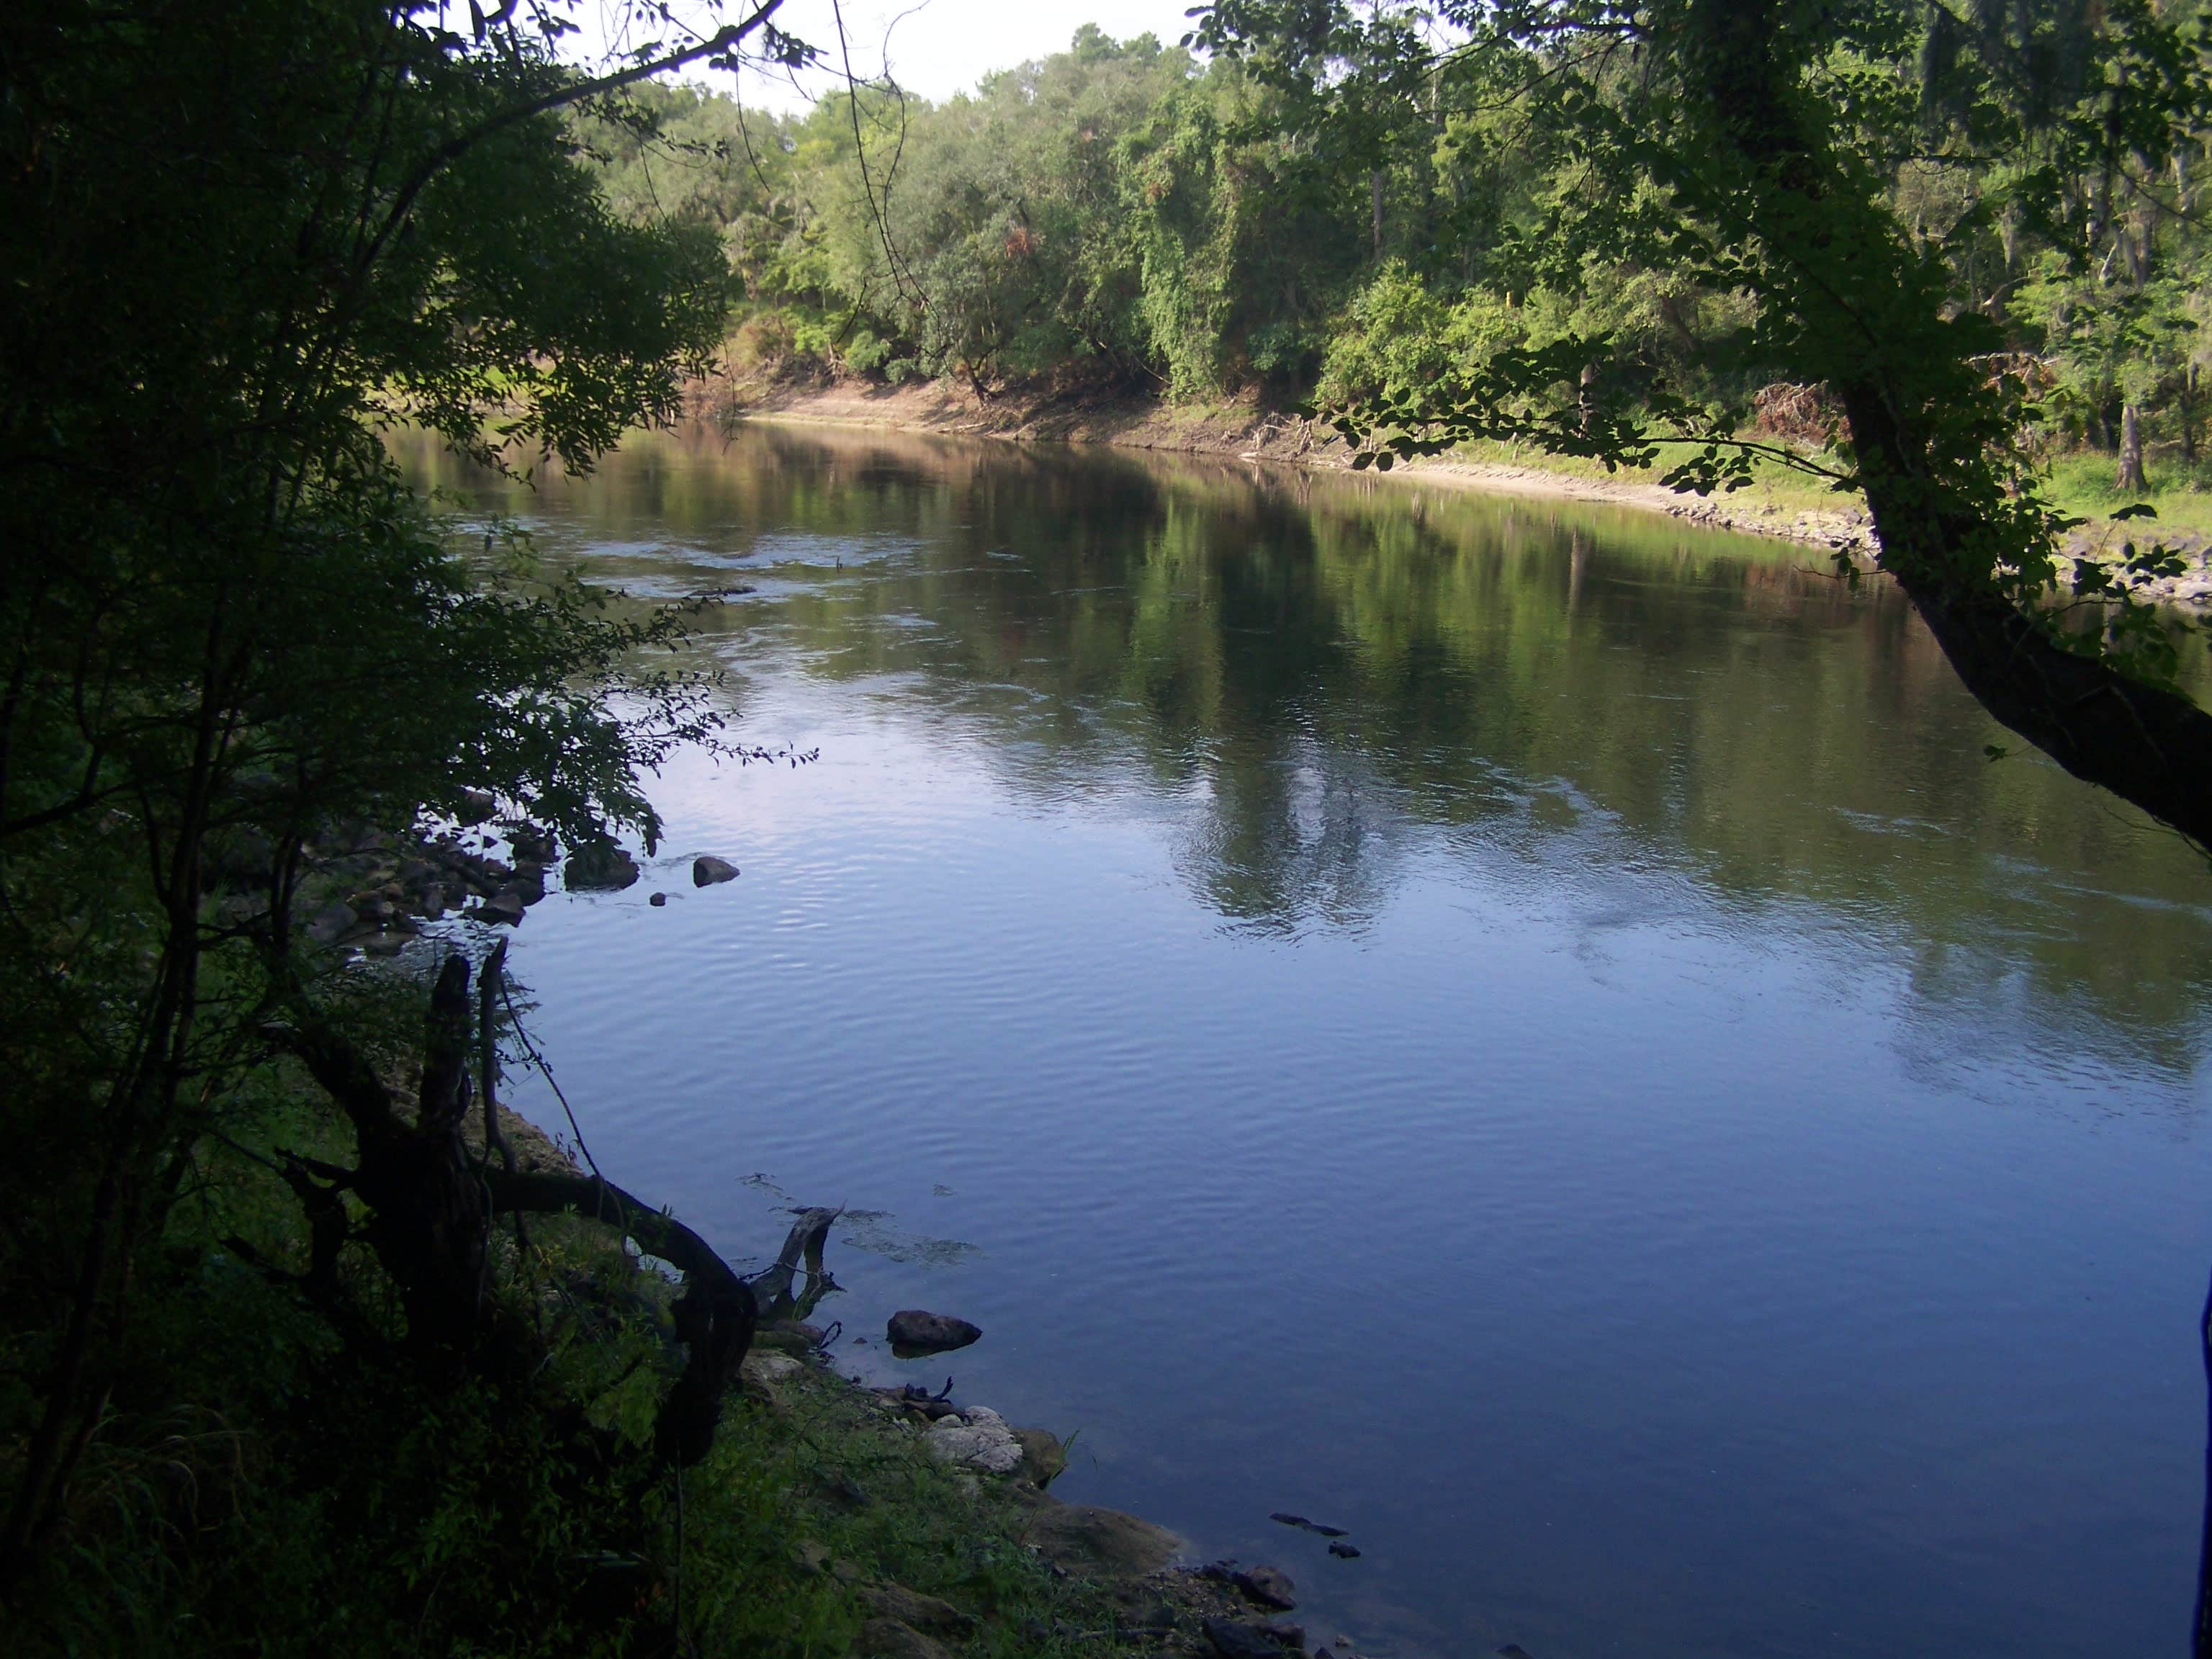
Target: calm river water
point(1529, 1033)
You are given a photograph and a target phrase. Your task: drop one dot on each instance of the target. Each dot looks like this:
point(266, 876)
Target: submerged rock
point(705, 870)
point(1083, 1538)
point(1344, 1551)
point(914, 1332)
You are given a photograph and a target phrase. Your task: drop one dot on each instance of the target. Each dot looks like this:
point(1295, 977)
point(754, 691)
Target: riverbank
point(1778, 504)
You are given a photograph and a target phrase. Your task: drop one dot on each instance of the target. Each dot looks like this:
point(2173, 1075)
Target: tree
point(240, 241)
point(1760, 143)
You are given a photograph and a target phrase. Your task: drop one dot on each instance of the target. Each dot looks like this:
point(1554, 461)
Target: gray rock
point(1344, 1551)
point(1083, 1538)
point(330, 921)
point(529, 841)
point(602, 867)
point(657, 901)
point(705, 870)
point(529, 882)
point(887, 1639)
point(975, 1439)
point(475, 806)
point(502, 909)
point(915, 1332)
point(432, 904)
point(1267, 1586)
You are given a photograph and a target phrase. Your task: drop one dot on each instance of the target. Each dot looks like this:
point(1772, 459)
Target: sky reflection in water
point(1529, 1033)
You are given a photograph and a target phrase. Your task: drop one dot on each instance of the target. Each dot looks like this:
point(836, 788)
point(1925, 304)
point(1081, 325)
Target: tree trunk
point(2131, 477)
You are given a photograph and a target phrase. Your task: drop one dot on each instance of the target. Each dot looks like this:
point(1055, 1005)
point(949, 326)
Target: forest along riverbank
point(1247, 432)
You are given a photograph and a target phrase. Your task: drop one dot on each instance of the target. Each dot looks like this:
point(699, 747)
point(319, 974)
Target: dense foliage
point(1908, 247)
point(240, 241)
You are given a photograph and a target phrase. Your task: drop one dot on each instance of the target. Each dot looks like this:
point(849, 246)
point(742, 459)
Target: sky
point(939, 47)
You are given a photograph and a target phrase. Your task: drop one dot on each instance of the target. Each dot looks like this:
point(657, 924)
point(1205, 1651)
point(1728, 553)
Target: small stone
point(657, 901)
point(1513, 1651)
point(1267, 1586)
point(707, 871)
point(1344, 1551)
point(915, 1332)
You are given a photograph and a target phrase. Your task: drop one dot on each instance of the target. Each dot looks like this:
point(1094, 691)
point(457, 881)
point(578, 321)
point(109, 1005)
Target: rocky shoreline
point(1258, 436)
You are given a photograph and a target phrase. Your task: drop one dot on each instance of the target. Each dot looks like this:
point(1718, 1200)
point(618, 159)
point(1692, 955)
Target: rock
point(914, 1332)
point(657, 901)
point(1267, 1586)
point(764, 1370)
point(1235, 1641)
point(706, 872)
point(787, 1337)
point(1344, 1551)
point(370, 909)
point(475, 806)
point(887, 1639)
point(813, 1556)
point(912, 1607)
point(1042, 1455)
point(530, 881)
point(327, 923)
point(1083, 1538)
point(976, 1439)
point(502, 909)
point(432, 904)
point(1290, 1635)
point(601, 867)
point(532, 842)
point(1513, 1651)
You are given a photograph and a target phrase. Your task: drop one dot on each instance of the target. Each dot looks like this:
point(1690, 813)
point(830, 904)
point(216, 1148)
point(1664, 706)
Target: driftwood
point(772, 1288)
point(715, 1316)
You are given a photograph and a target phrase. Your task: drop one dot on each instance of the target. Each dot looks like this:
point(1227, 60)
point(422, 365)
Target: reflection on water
point(1532, 1029)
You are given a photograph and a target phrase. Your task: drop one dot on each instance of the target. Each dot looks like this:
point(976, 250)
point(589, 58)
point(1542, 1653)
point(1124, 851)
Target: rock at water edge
point(921, 1332)
point(1267, 1586)
point(707, 871)
point(1233, 1641)
point(1084, 1539)
point(975, 1439)
point(600, 867)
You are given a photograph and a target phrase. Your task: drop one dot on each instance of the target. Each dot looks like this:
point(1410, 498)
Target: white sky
point(938, 48)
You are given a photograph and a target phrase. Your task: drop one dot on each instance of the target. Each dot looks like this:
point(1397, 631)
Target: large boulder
point(1269, 1587)
point(1098, 1542)
point(598, 867)
point(705, 870)
point(914, 1332)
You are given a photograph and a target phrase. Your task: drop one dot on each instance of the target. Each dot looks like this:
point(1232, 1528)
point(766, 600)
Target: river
point(1527, 1032)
